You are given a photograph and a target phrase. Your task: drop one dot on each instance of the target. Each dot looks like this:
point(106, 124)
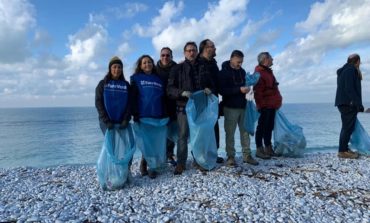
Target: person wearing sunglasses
point(163, 67)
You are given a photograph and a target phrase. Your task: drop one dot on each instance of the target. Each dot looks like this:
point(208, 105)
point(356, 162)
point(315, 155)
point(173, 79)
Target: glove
point(361, 108)
point(207, 91)
point(109, 125)
point(186, 94)
point(124, 124)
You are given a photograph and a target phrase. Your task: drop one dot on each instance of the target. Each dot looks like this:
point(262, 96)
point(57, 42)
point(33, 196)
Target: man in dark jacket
point(232, 87)
point(164, 66)
point(185, 78)
point(268, 100)
point(207, 54)
point(348, 99)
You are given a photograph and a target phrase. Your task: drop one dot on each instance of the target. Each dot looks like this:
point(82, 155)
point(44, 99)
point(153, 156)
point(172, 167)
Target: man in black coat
point(348, 99)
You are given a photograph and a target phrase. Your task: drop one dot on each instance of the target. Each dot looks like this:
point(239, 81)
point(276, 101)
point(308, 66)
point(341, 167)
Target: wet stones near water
point(316, 188)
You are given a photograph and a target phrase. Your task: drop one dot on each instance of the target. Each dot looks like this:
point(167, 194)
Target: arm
point(135, 97)
point(127, 114)
point(173, 90)
point(350, 77)
point(99, 102)
point(225, 88)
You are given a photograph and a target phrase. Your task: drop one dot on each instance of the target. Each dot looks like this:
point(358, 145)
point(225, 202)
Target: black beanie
point(115, 60)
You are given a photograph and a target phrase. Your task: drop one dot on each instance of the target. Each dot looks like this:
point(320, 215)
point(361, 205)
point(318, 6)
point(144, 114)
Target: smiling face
point(116, 71)
point(146, 65)
point(165, 57)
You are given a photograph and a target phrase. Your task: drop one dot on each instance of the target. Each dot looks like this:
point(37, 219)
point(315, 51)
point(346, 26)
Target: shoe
point(152, 174)
point(348, 155)
point(230, 161)
point(172, 161)
point(179, 169)
point(220, 160)
point(143, 167)
point(198, 167)
point(260, 153)
point(249, 159)
point(269, 151)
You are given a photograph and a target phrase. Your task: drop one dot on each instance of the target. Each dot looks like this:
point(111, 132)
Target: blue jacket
point(348, 86)
point(229, 81)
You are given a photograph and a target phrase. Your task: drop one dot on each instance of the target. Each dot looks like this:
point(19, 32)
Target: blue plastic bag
point(202, 114)
point(360, 140)
point(250, 117)
point(113, 163)
point(289, 138)
point(252, 79)
point(151, 136)
point(172, 132)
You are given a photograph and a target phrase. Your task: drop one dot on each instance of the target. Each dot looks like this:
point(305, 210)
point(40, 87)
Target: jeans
point(234, 117)
point(348, 115)
point(265, 126)
point(182, 142)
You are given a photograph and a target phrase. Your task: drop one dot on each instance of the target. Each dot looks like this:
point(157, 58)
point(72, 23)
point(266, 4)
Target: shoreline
point(316, 188)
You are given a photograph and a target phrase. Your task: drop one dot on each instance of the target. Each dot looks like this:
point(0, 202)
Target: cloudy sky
point(53, 53)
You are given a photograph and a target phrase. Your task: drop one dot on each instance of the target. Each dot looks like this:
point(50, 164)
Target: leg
point(231, 120)
point(244, 136)
point(269, 126)
point(182, 143)
point(348, 116)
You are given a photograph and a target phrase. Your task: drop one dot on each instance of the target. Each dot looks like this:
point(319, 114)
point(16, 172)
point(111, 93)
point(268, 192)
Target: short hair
point(353, 58)
point(202, 45)
point(237, 53)
point(138, 64)
point(169, 49)
point(190, 43)
point(262, 56)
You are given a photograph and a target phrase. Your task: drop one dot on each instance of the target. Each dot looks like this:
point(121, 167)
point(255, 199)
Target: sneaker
point(249, 159)
point(179, 169)
point(220, 160)
point(230, 161)
point(348, 155)
point(261, 154)
point(152, 174)
point(172, 161)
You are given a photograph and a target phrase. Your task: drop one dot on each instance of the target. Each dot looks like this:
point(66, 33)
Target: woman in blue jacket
point(148, 98)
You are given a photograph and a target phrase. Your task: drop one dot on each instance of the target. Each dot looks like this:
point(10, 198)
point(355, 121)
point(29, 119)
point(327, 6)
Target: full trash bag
point(251, 116)
point(360, 139)
point(172, 132)
point(151, 137)
point(113, 163)
point(202, 114)
point(252, 79)
point(289, 138)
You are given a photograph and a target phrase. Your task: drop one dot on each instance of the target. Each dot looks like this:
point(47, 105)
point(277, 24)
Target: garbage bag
point(289, 139)
point(202, 114)
point(151, 137)
point(360, 139)
point(252, 79)
point(250, 117)
point(116, 154)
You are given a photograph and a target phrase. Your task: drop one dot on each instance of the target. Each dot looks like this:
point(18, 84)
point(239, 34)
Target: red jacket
point(266, 91)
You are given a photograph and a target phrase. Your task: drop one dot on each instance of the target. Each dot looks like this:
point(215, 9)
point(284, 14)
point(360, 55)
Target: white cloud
point(86, 44)
point(129, 10)
point(16, 20)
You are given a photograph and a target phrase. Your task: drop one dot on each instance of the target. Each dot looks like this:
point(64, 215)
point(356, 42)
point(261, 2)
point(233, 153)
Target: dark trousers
point(348, 115)
point(170, 149)
point(217, 134)
point(265, 127)
point(182, 142)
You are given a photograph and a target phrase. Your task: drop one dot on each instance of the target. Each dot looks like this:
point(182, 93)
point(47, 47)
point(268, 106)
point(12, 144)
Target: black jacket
point(230, 80)
point(348, 86)
point(211, 66)
point(188, 77)
point(164, 73)
point(99, 102)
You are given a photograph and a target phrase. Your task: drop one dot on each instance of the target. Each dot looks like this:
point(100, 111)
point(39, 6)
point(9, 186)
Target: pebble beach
point(316, 188)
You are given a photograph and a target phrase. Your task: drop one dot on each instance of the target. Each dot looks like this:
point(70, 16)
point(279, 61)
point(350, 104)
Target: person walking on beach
point(232, 87)
point(148, 98)
point(207, 54)
point(268, 100)
point(112, 97)
point(164, 66)
point(185, 78)
point(348, 99)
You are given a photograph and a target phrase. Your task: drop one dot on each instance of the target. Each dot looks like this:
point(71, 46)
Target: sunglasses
point(165, 55)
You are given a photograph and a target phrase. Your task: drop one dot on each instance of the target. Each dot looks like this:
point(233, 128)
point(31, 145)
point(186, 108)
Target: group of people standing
point(162, 90)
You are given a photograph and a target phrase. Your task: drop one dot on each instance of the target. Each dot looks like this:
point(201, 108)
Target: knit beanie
point(115, 60)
